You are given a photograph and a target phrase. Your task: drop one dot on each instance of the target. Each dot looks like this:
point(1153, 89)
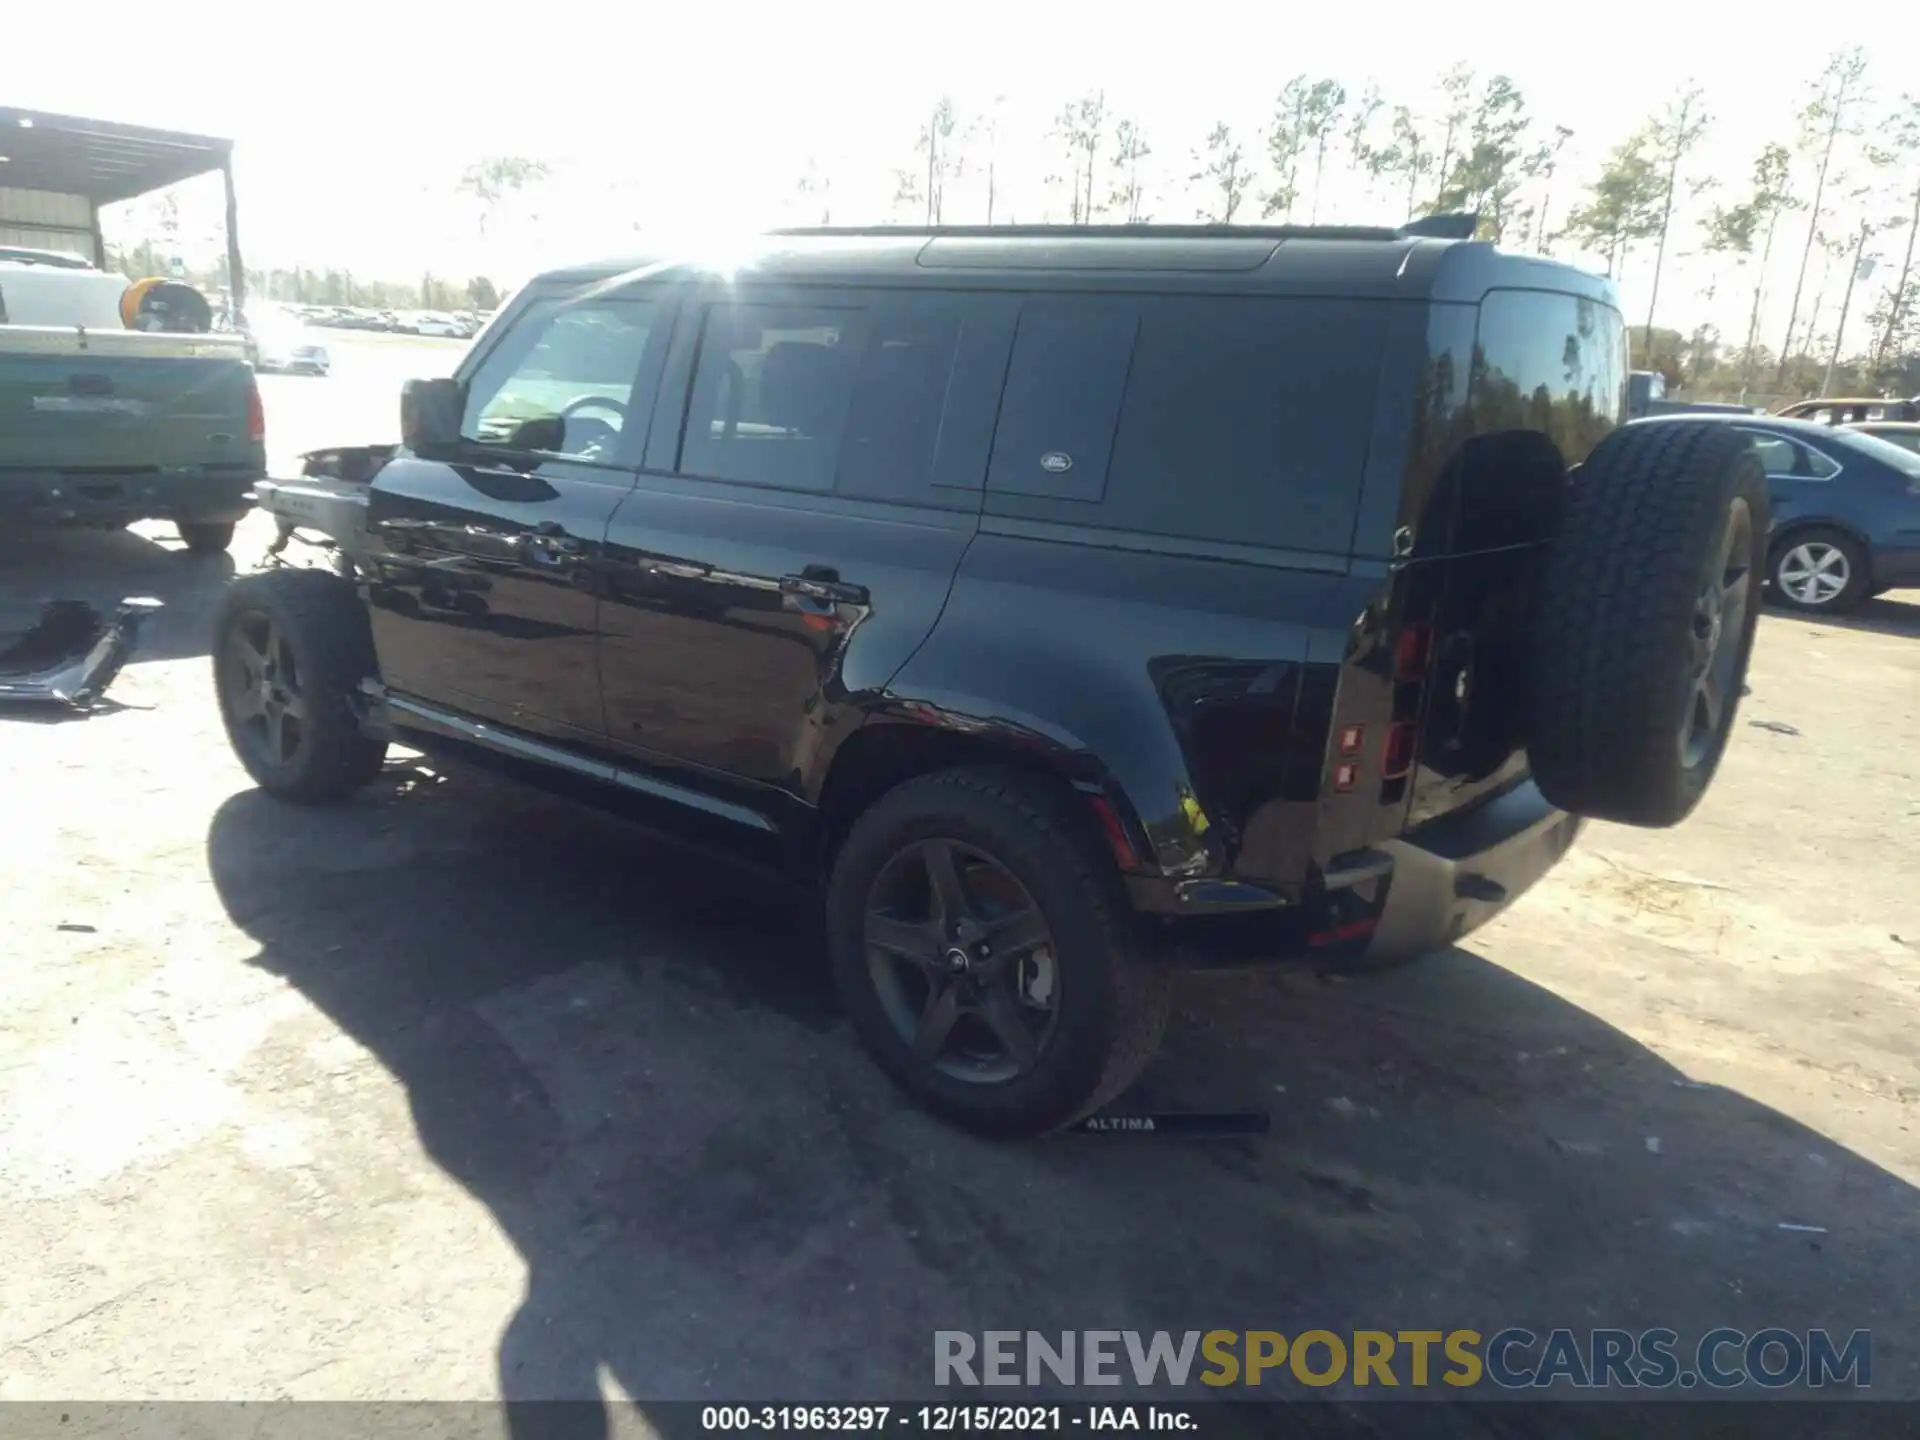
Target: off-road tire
point(1608, 692)
point(1114, 994)
point(205, 537)
point(326, 626)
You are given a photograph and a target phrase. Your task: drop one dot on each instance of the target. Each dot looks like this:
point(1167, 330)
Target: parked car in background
point(1846, 511)
point(1647, 395)
point(1904, 433)
point(283, 345)
point(431, 322)
point(1854, 411)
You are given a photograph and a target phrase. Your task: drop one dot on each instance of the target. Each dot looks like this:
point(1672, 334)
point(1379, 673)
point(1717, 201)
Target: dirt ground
point(458, 1092)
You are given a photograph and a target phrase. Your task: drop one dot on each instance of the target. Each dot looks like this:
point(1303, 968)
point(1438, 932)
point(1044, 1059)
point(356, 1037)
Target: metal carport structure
point(45, 157)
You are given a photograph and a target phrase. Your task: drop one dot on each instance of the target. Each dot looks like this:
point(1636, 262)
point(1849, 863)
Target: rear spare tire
point(1645, 621)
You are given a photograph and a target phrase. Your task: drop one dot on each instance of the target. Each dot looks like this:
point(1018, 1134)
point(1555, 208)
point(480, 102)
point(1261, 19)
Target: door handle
point(823, 583)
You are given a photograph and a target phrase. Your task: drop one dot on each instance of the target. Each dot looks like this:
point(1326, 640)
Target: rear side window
point(1062, 400)
point(1236, 420)
point(1549, 362)
point(1790, 459)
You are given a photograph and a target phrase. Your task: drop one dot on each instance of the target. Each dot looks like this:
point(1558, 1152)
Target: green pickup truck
point(102, 424)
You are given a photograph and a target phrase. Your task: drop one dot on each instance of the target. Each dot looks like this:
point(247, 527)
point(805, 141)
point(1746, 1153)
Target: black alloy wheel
point(962, 961)
point(265, 706)
point(1715, 656)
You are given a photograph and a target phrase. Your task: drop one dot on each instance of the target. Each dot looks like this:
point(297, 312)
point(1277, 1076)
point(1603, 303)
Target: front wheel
point(289, 649)
point(1819, 571)
point(986, 956)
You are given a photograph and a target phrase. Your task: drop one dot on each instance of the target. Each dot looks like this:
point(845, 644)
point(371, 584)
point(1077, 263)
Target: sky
point(353, 122)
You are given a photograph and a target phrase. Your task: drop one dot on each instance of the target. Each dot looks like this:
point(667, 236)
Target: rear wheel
point(985, 953)
point(206, 537)
point(290, 647)
point(1820, 571)
point(1645, 621)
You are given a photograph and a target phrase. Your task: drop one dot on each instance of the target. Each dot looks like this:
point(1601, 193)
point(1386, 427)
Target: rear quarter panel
point(1173, 679)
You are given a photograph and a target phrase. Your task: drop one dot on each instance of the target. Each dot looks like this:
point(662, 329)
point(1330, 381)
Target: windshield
point(1885, 451)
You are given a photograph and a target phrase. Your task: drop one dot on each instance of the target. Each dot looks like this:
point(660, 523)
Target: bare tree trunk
point(1896, 301)
point(1666, 220)
point(1440, 174)
point(933, 157)
point(1753, 321)
point(1319, 169)
point(1813, 225)
point(1813, 318)
point(1846, 301)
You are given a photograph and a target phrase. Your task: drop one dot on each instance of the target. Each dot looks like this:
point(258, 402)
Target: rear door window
point(771, 394)
point(899, 395)
point(870, 394)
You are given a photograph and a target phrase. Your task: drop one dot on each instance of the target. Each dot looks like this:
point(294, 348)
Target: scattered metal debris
point(1653, 1144)
point(1778, 727)
point(1801, 1229)
point(73, 654)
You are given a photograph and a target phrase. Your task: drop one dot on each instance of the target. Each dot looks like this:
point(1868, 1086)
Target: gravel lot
point(457, 1092)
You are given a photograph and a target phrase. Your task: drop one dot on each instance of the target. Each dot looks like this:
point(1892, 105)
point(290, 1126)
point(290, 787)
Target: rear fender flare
point(1153, 803)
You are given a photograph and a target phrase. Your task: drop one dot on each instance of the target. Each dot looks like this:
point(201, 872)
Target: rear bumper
point(57, 497)
point(1454, 875)
point(1421, 892)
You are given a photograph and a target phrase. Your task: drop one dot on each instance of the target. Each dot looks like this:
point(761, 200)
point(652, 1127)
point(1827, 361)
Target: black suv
point(1068, 603)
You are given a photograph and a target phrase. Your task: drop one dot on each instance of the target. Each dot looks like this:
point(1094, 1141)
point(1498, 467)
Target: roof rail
point(1438, 227)
point(1100, 232)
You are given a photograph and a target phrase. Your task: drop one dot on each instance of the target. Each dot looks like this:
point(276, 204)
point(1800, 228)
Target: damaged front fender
point(73, 654)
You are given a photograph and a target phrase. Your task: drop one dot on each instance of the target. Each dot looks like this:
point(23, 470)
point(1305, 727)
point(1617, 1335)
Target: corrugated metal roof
point(99, 159)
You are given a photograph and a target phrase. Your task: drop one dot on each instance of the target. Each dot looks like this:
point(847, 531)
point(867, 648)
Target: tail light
point(1124, 854)
point(1411, 654)
point(1402, 742)
point(256, 413)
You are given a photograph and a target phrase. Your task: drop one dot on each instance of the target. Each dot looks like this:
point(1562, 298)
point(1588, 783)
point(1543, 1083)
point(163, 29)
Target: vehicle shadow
point(639, 1067)
point(105, 566)
point(1897, 613)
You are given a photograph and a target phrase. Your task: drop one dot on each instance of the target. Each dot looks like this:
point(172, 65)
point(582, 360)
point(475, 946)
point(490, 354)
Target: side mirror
point(430, 412)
